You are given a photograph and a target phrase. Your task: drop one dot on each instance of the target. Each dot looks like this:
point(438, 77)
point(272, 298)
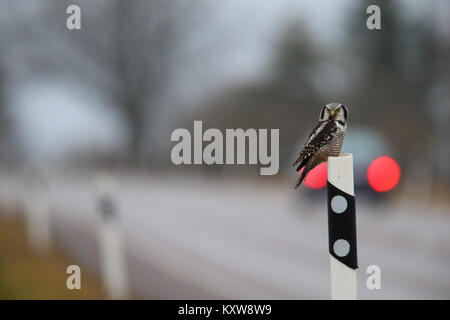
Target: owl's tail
point(300, 179)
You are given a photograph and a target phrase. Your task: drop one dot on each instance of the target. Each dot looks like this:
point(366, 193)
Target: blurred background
point(85, 122)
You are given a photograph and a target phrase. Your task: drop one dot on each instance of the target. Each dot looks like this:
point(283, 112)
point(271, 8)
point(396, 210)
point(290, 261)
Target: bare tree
point(9, 30)
point(129, 45)
point(124, 50)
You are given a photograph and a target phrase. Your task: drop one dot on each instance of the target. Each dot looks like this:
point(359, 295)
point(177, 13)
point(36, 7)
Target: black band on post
point(342, 226)
point(107, 207)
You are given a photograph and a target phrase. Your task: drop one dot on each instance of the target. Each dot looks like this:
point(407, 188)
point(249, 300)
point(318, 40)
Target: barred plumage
point(325, 140)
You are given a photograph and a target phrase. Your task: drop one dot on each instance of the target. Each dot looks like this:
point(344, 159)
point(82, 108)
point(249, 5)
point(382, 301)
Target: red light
point(317, 177)
point(383, 174)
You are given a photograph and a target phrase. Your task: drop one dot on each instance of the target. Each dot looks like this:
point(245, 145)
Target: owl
point(324, 141)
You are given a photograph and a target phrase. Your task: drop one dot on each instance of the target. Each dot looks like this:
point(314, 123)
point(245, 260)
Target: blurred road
point(192, 238)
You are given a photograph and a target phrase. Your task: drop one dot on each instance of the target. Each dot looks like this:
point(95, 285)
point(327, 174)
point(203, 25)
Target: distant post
point(111, 244)
point(37, 213)
point(342, 227)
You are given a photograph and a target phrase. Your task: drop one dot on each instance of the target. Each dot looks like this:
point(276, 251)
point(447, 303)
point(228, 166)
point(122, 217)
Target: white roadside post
point(36, 211)
point(111, 245)
point(37, 217)
point(342, 227)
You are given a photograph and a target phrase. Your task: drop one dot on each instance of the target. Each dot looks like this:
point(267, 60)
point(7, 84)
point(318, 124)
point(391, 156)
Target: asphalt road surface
point(190, 238)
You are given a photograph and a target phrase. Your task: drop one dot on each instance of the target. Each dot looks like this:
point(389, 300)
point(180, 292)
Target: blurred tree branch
point(124, 50)
point(130, 44)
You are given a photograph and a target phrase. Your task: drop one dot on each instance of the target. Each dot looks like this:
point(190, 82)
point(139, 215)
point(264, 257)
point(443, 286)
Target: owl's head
point(334, 111)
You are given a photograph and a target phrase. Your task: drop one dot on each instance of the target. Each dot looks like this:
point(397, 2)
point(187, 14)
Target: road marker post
point(342, 242)
point(111, 245)
point(37, 211)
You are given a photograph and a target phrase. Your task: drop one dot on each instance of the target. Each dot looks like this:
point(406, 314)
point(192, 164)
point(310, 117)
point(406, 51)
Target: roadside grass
point(27, 275)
